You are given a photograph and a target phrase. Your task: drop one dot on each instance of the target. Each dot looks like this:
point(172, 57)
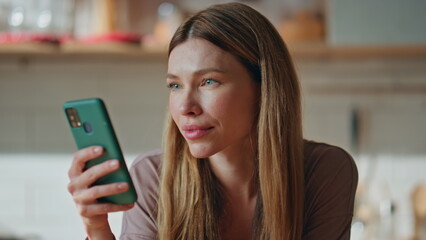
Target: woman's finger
point(89, 196)
point(92, 174)
point(81, 157)
point(92, 210)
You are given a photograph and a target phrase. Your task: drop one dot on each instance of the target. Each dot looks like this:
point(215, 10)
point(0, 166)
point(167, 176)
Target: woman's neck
point(235, 170)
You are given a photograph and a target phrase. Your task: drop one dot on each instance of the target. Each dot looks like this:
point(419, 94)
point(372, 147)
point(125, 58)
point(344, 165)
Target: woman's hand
point(93, 213)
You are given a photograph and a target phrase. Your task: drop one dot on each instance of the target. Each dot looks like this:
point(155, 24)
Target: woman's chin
point(197, 154)
point(200, 151)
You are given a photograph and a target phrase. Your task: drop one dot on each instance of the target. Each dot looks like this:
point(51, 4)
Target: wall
point(32, 94)
point(379, 22)
point(36, 146)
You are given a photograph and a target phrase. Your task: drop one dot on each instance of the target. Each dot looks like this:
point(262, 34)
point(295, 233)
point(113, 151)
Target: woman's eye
point(173, 86)
point(209, 82)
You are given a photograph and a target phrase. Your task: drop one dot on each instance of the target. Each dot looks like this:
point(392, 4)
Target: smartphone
point(90, 125)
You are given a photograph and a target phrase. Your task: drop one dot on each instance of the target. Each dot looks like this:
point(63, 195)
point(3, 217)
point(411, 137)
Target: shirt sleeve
point(331, 180)
point(139, 223)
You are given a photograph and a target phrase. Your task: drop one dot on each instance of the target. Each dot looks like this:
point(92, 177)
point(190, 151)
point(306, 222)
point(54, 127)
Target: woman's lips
point(193, 132)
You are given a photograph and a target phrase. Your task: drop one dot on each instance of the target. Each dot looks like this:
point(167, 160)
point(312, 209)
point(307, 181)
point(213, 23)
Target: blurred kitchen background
point(362, 66)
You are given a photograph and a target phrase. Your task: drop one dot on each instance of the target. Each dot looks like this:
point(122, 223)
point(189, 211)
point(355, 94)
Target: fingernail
point(122, 186)
point(97, 149)
point(113, 163)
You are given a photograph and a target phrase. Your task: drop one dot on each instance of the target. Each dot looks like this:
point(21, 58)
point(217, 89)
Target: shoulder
point(321, 159)
point(146, 167)
point(145, 172)
point(140, 221)
point(331, 177)
point(150, 160)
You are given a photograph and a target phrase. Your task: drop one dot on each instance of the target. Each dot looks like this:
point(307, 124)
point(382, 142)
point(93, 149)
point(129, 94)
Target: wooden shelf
point(298, 50)
point(74, 50)
point(322, 50)
point(29, 48)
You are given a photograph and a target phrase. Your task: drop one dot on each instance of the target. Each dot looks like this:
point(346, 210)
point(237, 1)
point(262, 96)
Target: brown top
point(331, 179)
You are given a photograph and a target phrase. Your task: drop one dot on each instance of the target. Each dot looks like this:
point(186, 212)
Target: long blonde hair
point(190, 199)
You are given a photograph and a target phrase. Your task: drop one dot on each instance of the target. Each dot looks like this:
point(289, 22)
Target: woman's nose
point(190, 105)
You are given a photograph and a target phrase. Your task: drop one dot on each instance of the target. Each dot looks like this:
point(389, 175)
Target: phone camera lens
point(87, 127)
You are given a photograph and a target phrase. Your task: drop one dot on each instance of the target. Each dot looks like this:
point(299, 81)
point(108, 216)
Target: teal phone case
point(96, 129)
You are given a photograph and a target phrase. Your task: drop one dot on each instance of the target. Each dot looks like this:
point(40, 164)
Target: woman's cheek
point(221, 105)
point(173, 109)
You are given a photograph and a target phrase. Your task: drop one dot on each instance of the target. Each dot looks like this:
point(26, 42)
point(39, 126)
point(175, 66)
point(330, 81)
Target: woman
point(235, 165)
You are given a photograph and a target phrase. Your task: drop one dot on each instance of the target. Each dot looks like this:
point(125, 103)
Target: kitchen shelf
point(131, 49)
point(299, 50)
point(322, 50)
point(29, 48)
point(71, 50)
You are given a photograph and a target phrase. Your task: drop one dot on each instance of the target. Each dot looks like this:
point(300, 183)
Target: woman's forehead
point(195, 54)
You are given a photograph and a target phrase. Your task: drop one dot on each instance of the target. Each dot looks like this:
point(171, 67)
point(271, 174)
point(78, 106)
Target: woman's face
point(213, 100)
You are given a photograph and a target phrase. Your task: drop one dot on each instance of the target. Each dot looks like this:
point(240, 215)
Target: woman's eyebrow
point(197, 73)
point(208, 70)
point(171, 76)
